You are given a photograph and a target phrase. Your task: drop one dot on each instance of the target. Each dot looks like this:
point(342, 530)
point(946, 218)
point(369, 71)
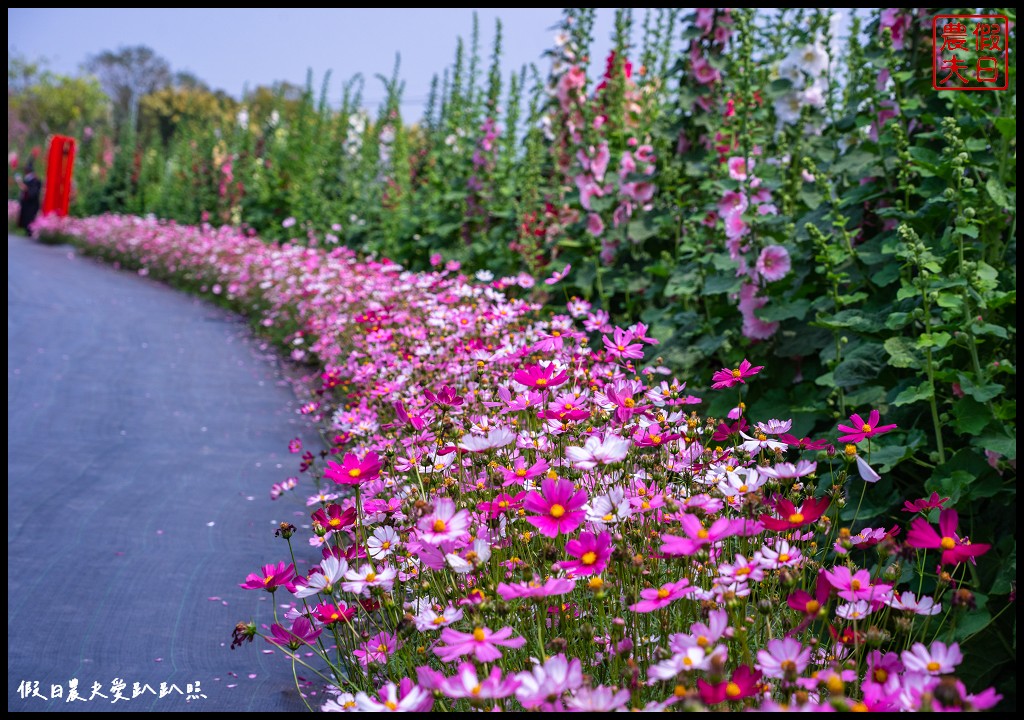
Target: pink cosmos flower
point(785, 658)
point(856, 585)
point(781, 555)
point(482, 643)
point(557, 675)
point(271, 578)
point(404, 697)
point(954, 549)
point(536, 589)
point(697, 536)
point(559, 507)
point(909, 602)
point(466, 683)
point(657, 598)
point(558, 275)
point(801, 600)
point(620, 345)
point(745, 682)
point(810, 510)
point(789, 471)
point(358, 580)
point(726, 378)
point(352, 470)
point(542, 376)
point(925, 503)
point(936, 660)
point(773, 263)
point(592, 553)
point(328, 613)
point(520, 473)
point(377, 649)
point(301, 634)
point(861, 429)
point(598, 699)
point(598, 451)
point(444, 523)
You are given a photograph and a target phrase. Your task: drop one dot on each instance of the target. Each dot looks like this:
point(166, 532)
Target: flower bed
point(526, 511)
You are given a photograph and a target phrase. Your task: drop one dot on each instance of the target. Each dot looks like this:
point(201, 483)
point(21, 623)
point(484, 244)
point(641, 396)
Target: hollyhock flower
point(542, 376)
point(331, 570)
point(738, 167)
point(466, 683)
point(377, 649)
point(271, 578)
point(405, 697)
point(352, 470)
point(856, 585)
point(732, 203)
point(955, 549)
point(785, 658)
point(558, 505)
point(328, 613)
point(861, 429)
point(301, 634)
point(536, 589)
point(726, 378)
point(591, 552)
point(810, 510)
point(547, 680)
point(735, 227)
point(657, 598)
point(598, 451)
point(773, 263)
point(599, 699)
point(925, 503)
point(935, 660)
point(482, 643)
point(745, 682)
point(697, 536)
point(444, 523)
point(358, 580)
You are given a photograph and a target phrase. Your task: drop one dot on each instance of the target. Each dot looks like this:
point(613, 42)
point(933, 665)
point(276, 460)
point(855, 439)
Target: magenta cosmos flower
point(697, 536)
point(466, 683)
point(591, 553)
point(352, 470)
point(482, 643)
point(657, 598)
point(954, 549)
point(443, 523)
point(302, 633)
point(856, 585)
point(785, 658)
point(859, 429)
point(745, 683)
point(792, 517)
point(726, 378)
point(558, 507)
point(536, 589)
point(541, 376)
point(271, 578)
point(936, 660)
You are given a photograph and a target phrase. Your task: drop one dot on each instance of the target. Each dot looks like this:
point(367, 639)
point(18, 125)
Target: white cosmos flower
point(597, 451)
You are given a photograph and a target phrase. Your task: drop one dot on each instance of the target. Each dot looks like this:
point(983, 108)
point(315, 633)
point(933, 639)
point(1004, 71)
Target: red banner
point(57, 197)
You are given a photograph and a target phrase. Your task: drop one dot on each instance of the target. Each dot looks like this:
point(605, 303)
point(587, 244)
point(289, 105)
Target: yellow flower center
point(687, 661)
point(629, 402)
point(662, 593)
point(438, 620)
point(334, 522)
point(947, 543)
point(382, 648)
point(783, 558)
point(595, 583)
point(354, 472)
point(813, 606)
point(796, 518)
point(788, 666)
point(267, 579)
point(521, 472)
point(385, 545)
point(733, 690)
point(835, 685)
point(933, 666)
point(850, 450)
point(555, 333)
point(702, 641)
point(645, 505)
point(761, 437)
point(865, 428)
point(743, 488)
point(656, 439)
point(556, 511)
point(859, 707)
point(390, 704)
point(881, 675)
point(478, 634)
point(371, 577)
point(743, 571)
point(702, 534)
point(475, 691)
point(855, 584)
point(736, 373)
point(542, 382)
point(335, 616)
point(439, 526)
point(589, 558)
point(608, 517)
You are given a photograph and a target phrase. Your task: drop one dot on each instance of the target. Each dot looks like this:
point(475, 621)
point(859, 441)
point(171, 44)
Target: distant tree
point(189, 101)
point(128, 75)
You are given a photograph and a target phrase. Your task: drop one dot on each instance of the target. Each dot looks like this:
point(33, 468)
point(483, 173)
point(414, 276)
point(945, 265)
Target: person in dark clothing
point(31, 189)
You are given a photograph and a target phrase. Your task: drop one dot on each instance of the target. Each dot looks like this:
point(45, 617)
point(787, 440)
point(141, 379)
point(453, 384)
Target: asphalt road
point(145, 429)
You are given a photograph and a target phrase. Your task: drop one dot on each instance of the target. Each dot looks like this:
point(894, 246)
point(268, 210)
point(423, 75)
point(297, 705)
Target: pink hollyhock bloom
point(745, 682)
point(466, 683)
point(559, 506)
point(598, 451)
point(773, 263)
point(595, 225)
point(697, 536)
point(925, 503)
point(352, 470)
point(861, 429)
point(301, 634)
point(599, 165)
point(482, 643)
point(443, 523)
point(785, 658)
point(555, 676)
point(405, 697)
point(558, 275)
point(810, 510)
point(542, 376)
point(732, 203)
point(271, 578)
point(955, 549)
point(726, 378)
point(735, 227)
point(592, 553)
point(536, 589)
point(738, 167)
point(657, 598)
point(936, 660)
